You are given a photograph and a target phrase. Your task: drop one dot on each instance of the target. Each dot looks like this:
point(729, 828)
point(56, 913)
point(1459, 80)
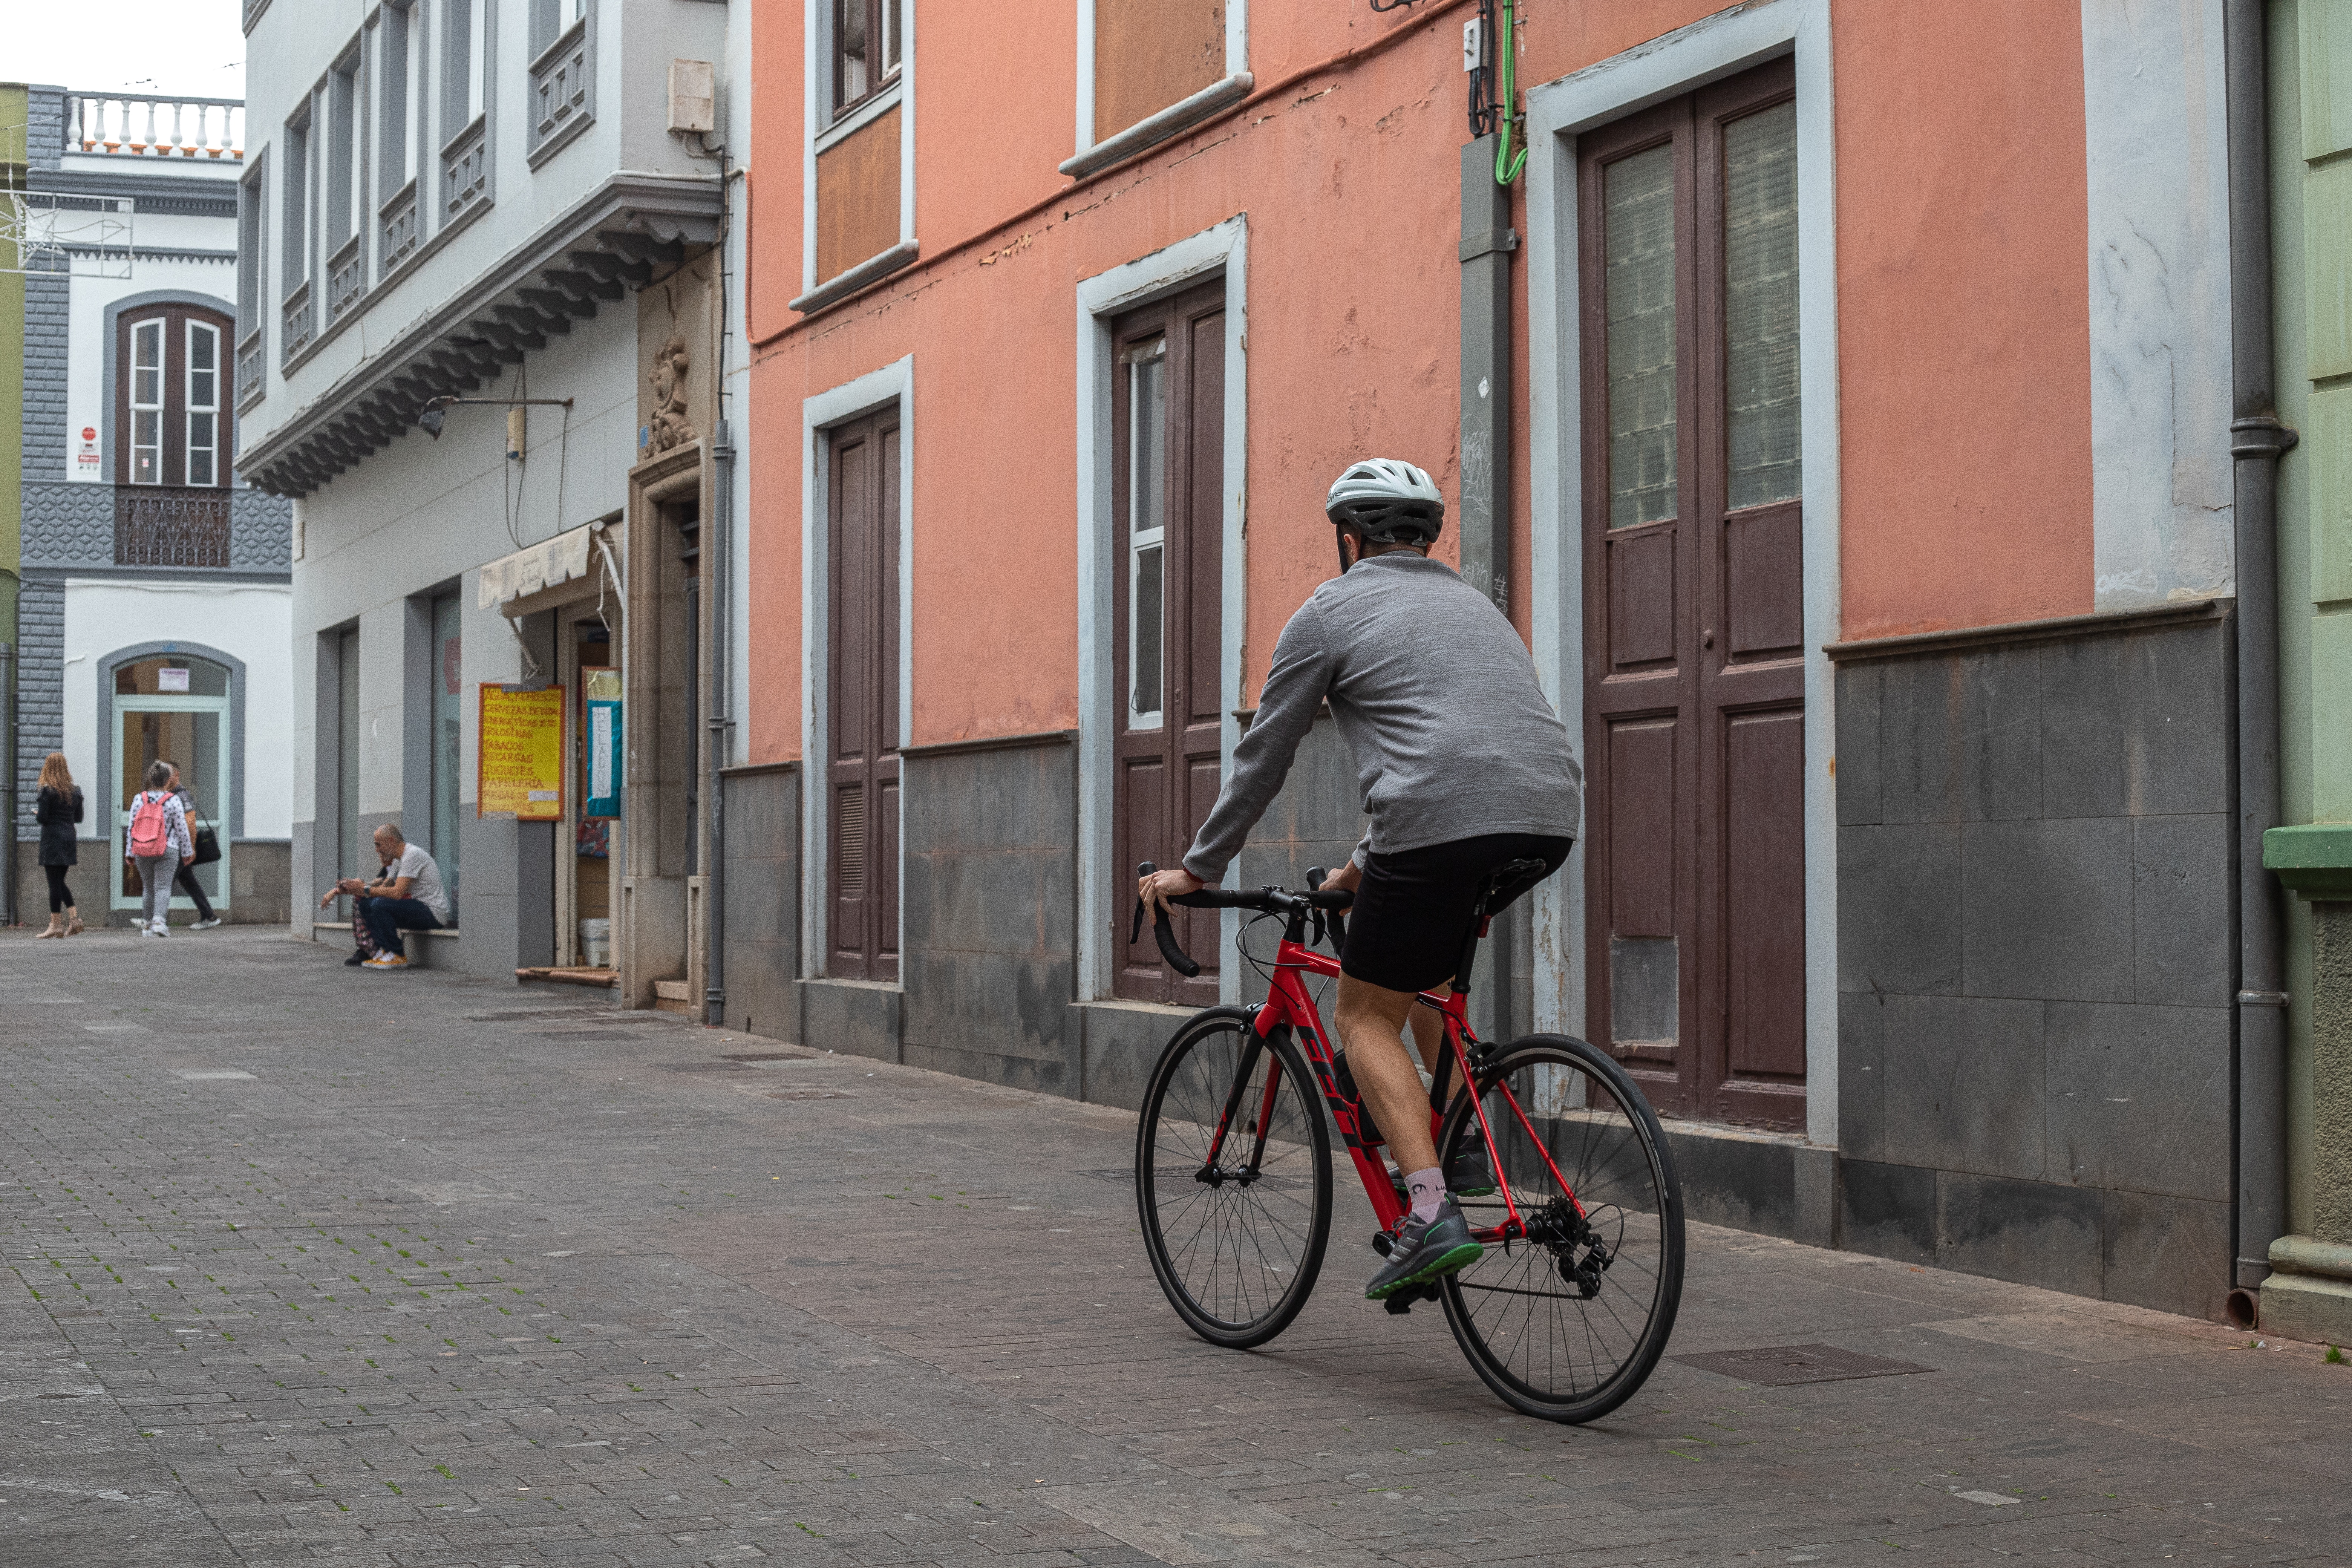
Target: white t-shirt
point(424, 882)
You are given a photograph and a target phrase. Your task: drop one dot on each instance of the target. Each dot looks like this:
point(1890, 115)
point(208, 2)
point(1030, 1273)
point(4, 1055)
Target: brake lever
point(1162, 931)
point(1135, 934)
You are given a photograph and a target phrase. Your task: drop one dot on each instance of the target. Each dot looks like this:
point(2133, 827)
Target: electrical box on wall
point(692, 90)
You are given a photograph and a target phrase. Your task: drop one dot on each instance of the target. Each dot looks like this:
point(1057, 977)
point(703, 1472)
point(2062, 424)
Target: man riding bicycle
point(1462, 768)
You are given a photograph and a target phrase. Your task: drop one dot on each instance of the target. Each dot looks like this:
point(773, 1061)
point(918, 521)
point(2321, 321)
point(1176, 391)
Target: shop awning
point(542, 576)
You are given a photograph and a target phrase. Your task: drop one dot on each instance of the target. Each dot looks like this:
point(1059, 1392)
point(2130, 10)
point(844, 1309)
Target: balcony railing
point(464, 169)
point(398, 217)
point(159, 526)
point(346, 278)
point(249, 370)
point(129, 125)
point(296, 336)
point(558, 85)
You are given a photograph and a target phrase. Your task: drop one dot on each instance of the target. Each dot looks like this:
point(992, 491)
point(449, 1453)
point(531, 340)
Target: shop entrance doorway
point(173, 707)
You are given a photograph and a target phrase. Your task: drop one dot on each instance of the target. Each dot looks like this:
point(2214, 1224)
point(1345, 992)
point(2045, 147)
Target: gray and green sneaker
point(1426, 1250)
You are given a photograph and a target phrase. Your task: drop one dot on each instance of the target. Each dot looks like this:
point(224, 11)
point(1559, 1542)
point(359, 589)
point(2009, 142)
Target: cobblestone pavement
point(315, 1265)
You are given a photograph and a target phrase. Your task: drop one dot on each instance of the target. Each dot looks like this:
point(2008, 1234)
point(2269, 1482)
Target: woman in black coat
point(58, 810)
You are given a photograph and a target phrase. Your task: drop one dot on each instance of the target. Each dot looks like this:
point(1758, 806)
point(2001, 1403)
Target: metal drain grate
point(1778, 1366)
point(808, 1094)
point(702, 1066)
point(767, 1057)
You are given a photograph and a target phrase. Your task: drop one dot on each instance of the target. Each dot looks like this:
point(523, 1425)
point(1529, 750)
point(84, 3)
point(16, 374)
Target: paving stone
point(460, 1290)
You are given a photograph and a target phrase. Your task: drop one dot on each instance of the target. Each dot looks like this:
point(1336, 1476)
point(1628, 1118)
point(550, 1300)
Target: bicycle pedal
point(1383, 1244)
point(1397, 1306)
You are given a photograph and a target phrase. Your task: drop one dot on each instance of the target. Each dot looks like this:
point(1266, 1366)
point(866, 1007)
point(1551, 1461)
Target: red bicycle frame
point(1288, 1004)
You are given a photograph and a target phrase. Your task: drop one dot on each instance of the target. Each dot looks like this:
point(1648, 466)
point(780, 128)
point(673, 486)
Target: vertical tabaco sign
point(600, 694)
point(521, 770)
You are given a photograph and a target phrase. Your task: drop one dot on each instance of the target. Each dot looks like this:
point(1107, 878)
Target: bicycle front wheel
point(1567, 1323)
point(1232, 1178)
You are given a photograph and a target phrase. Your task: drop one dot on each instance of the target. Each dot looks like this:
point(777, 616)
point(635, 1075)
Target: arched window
point(170, 414)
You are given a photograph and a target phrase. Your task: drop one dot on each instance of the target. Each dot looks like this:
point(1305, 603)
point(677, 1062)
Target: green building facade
point(2310, 63)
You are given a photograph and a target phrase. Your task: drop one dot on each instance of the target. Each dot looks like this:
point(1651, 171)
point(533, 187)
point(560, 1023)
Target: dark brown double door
point(1166, 552)
point(1693, 600)
point(861, 777)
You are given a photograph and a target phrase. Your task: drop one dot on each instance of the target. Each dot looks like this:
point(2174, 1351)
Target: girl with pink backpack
point(159, 843)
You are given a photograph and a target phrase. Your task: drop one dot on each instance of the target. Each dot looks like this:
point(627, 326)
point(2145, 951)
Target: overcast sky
point(191, 46)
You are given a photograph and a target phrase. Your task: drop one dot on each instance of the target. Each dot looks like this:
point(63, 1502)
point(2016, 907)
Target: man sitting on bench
point(405, 896)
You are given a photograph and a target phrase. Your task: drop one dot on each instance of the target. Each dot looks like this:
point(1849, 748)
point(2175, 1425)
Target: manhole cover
point(527, 1014)
point(699, 1067)
point(1778, 1366)
point(808, 1094)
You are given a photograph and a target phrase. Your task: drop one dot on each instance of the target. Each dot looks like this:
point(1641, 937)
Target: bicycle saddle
point(1507, 883)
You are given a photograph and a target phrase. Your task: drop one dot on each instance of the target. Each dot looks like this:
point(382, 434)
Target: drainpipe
point(1482, 517)
point(2256, 441)
point(714, 870)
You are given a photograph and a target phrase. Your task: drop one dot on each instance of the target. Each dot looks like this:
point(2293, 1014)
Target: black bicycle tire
point(1629, 1377)
point(1265, 1326)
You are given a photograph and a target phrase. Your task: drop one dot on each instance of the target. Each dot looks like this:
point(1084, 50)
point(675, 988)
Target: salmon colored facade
point(1977, 435)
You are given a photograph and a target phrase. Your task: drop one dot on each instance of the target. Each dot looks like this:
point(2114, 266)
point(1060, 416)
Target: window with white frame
point(147, 403)
point(865, 49)
point(1147, 536)
point(343, 182)
point(252, 231)
point(562, 75)
point(551, 19)
point(1147, 69)
point(464, 25)
point(401, 77)
point(295, 201)
point(203, 383)
point(173, 426)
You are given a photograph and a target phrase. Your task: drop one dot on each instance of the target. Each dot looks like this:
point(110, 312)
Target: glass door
point(173, 709)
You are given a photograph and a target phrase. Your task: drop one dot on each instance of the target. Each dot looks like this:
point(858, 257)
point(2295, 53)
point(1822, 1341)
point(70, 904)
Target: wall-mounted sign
point(604, 789)
point(170, 680)
point(521, 765)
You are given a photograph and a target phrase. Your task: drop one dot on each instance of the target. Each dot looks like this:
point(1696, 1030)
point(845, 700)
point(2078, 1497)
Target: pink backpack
point(148, 836)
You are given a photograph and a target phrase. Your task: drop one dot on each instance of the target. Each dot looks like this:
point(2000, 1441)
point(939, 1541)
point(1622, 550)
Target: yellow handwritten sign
point(521, 773)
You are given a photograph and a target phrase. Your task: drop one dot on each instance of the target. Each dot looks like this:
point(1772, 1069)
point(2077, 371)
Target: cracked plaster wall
point(2156, 161)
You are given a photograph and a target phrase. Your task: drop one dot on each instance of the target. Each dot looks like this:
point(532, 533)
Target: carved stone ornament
point(669, 427)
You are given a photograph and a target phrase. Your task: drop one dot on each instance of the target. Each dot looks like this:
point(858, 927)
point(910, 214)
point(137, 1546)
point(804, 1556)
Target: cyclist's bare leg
point(1372, 1020)
point(1429, 1031)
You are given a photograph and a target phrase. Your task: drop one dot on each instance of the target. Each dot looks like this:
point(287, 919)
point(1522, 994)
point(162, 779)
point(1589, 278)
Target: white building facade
point(506, 215)
point(156, 595)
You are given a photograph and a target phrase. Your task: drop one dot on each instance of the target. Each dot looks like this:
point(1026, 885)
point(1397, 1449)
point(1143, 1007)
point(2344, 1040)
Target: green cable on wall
point(1507, 163)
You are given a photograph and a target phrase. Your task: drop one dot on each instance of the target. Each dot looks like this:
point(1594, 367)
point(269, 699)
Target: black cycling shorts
point(1414, 909)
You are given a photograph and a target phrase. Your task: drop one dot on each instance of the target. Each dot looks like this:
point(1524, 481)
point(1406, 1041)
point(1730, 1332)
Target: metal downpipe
point(714, 870)
point(2256, 441)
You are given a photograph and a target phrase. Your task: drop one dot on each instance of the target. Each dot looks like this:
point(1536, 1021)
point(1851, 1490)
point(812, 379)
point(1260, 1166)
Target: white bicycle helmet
point(1386, 501)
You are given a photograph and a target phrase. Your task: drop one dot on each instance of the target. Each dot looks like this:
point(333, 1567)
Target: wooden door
point(1693, 600)
point(861, 784)
point(1168, 403)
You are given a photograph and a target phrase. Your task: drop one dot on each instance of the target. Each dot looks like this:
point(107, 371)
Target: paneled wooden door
point(1693, 600)
point(1167, 402)
point(862, 643)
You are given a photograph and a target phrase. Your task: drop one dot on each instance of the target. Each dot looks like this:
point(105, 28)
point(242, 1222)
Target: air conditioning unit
point(692, 91)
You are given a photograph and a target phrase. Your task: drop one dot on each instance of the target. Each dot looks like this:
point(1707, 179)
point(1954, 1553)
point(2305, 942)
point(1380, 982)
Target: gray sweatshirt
point(1437, 700)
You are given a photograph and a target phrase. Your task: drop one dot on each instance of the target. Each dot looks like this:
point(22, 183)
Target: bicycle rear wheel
point(1567, 1324)
point(1238, 1240)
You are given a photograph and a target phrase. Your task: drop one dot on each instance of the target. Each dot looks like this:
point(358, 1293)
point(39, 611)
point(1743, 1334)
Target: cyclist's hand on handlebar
point(1344, 880)
point(1156, 889)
